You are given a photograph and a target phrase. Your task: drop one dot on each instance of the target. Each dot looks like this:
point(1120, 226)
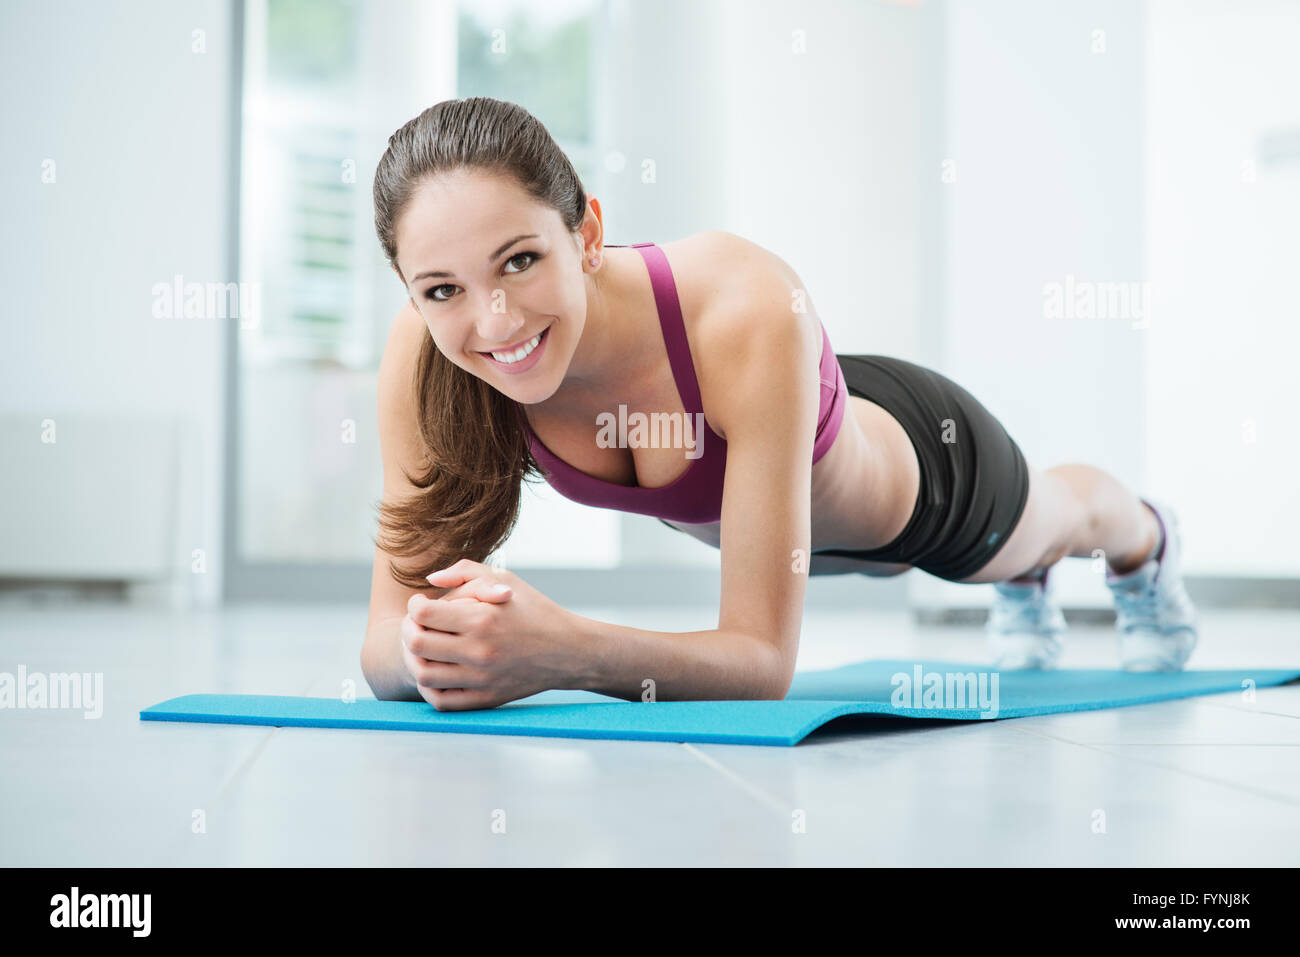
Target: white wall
point(1046, 138)
point(136, 124)
point(830, 108)
point(1223, 83)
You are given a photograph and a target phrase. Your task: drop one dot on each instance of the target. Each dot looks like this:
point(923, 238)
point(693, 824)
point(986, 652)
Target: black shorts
point(974, 478)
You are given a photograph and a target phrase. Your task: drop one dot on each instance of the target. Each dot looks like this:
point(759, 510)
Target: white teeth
point(520, 353)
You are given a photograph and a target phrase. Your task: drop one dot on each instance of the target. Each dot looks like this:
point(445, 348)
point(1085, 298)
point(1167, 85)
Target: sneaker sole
point(1147, 652)
point(1022, 652)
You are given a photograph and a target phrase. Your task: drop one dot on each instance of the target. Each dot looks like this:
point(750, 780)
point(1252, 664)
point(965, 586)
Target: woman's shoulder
point(727, 268)
point(724, 281)
point(743, 306)
point(401, 353)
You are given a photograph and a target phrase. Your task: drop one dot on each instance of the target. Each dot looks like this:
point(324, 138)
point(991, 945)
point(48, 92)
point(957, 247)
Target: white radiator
point(88, 498)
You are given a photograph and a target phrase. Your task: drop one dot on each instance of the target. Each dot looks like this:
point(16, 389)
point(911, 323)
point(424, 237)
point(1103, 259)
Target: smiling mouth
point(519, 352)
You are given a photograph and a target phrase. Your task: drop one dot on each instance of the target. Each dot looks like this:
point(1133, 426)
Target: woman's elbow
point(780, 686)
point(368, 669)
point(777, 668)
point(384, 684)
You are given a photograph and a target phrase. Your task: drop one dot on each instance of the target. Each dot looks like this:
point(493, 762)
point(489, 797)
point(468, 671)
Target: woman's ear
point(592, 229)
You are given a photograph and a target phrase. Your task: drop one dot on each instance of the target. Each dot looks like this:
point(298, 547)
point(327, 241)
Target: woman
point(526, 335)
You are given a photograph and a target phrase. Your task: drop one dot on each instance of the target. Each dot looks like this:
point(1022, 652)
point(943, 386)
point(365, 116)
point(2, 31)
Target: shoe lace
point(1140, 606)
point(1027, 610)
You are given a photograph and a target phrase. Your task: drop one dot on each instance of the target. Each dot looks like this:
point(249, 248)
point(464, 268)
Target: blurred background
point(1083, 212)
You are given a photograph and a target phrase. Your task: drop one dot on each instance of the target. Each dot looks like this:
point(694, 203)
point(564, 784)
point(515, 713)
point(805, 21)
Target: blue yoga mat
point(909, 689)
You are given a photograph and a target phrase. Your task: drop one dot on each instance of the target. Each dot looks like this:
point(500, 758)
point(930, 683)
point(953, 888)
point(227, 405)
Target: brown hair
point(473, 437)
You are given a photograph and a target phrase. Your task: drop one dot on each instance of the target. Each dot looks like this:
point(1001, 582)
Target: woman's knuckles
point(483, 617)
point(482, 654)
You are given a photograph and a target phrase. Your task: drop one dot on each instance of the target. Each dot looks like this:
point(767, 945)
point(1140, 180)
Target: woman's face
point(490, 269)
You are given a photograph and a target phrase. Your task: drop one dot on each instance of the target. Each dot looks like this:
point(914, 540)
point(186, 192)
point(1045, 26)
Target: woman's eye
point(431, 292)
point(531, 257)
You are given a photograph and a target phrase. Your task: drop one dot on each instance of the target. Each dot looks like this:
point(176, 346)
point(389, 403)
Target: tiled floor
point(1201, 781)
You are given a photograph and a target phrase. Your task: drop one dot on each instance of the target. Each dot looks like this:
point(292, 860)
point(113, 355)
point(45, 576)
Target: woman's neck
point(614, 352)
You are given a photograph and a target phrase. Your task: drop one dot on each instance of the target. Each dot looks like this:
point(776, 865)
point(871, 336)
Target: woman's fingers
point(452, 615)
point(462, 699)
point(435, 644)
point(483, 589)
point(442, 676)
point(458, 574)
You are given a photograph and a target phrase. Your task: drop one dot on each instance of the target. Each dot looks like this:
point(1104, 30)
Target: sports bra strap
point(674, 327)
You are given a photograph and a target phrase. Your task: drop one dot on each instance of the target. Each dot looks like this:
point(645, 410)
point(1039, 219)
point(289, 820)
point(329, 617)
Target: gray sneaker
point(1025, 625)
point(1155, 618)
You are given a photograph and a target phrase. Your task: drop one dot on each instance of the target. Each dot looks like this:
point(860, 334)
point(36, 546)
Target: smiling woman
point(474, 448)
point(524, 331)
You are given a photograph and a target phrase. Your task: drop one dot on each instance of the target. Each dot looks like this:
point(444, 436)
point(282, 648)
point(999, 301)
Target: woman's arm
point(381, 663)
point(480, 653)
point(691, 665)
point(760, 381)
point(381, 650)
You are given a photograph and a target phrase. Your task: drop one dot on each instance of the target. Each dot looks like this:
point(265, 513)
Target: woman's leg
point(1119, 524)
point(1073, 510)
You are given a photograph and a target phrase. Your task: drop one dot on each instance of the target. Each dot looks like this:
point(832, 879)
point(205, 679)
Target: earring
point(595, 260)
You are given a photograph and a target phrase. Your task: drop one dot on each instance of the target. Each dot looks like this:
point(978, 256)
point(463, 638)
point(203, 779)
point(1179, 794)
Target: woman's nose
point(497, 327)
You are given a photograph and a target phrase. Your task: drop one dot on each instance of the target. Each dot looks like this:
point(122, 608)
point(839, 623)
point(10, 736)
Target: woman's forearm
point(695, 665)
point(381, 663)
point(617, 660)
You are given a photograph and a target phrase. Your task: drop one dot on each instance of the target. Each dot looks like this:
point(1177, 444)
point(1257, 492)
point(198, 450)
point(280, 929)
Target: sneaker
point(1156, 619)
point(1025, 625)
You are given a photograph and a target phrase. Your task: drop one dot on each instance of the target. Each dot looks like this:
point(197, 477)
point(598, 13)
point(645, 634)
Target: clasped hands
point(490, 639)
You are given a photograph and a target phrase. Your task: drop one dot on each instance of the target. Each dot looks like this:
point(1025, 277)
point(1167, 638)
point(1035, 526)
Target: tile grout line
point(1267, 795)
point(248, 760)
point(243, 766)
point(1240, 708)
point(180, 846)
point(753, 790)
point(1187, 744)
point(256, 752)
